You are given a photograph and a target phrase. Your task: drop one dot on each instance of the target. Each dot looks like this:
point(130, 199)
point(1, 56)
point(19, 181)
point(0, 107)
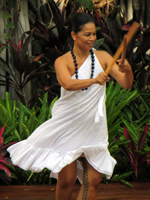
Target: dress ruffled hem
point(36, 159)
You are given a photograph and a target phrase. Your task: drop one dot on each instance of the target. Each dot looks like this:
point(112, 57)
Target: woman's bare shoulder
point(102, 54)
point(62, 59)
point(103, 58)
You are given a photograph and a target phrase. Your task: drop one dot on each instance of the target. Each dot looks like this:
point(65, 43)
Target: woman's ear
point(73, 35)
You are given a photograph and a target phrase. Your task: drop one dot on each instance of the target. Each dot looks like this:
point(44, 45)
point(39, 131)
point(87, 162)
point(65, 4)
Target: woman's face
point(86, 37)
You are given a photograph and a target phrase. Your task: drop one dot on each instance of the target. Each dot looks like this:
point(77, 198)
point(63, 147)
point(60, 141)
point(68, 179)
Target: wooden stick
point(123, 56)
point(129, 36)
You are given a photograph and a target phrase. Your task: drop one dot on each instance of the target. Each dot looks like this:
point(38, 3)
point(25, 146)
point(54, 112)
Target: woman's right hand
point(101, 78)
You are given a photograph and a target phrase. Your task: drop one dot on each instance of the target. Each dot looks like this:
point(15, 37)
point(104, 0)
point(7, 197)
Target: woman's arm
point(122, 72)
point(127, 75)
point(65, 80)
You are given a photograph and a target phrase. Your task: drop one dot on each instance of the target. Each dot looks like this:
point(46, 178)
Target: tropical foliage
point(5, 174)
point(128, 111)
point(19, 120)
point(136, 152)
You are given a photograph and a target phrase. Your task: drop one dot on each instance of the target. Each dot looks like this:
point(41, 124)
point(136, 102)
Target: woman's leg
point(92, 179)
point(66, 181)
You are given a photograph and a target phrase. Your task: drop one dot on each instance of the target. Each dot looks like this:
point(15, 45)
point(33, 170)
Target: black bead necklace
point(76, 64)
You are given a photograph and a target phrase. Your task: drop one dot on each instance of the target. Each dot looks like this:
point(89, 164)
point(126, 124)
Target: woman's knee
point(65, 182)
point(67, 176)
point(95, 180)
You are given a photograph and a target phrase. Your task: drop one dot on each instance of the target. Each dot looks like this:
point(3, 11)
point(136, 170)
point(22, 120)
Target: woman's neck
point(80, 52)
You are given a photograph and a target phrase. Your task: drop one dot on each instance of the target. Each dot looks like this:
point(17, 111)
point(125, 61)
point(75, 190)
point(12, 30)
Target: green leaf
point(111, 93)
point(133, 130)
point(25, 131)
point(9, 106)
point(10, 139)
point(31, 122)
point(128, 112)
point(144, 103)
point(21, 117)
point(10, 3)
point(119, 20)
point(113, 132)
point(50, 107)
point(27, 110)
point(87, 4)
point(122, 141)
point(6, 67)
point(112, 118)
point(6, 15)
point(10, 25)
point(44, 105)
point(109, 90)
point(6, 115)
point(2, 102)
point(98, 43)
point(127, 183)
point(135, 110)
point(115, 177)
point(17, 135)
point(26, 43)
point(10, 129)
point(110, 110)
point(41, 118)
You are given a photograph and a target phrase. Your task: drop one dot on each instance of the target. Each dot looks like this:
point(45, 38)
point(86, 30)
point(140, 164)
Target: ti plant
point(21, 69)
point(112, 32)
point(20, 121)
point(5, 174)
point(117, 99)
point(136, 152)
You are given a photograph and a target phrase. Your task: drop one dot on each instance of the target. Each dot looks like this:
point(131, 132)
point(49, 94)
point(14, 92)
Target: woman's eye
point(88, 35)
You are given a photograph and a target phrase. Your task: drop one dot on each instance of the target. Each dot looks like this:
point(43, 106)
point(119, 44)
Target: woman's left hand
point(124, 66)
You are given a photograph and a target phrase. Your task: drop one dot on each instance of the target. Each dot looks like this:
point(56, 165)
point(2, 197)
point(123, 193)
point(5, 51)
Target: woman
point(75, 138)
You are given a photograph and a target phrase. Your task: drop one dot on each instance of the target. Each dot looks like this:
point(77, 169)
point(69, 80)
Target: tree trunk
point(147, 13)
point(21, 22)
point(3, 53)
point(60, 4)
point(136, 9)
point(129, 10)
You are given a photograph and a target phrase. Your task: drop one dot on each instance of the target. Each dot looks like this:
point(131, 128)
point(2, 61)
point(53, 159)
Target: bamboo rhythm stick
point(125, 42)
point(123, 56)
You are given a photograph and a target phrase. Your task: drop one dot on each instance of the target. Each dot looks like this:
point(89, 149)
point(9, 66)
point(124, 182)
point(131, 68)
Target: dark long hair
point(77, 22)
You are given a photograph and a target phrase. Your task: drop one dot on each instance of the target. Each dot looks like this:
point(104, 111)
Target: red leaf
point(7, 145)
point(126, 27)
point(131, 143)
point(2, 130)
point(13, 44)
point(1, 142)
point(19, 48)
point(3, 160)
point(63, 14)
point(1, 45)
point(42, 28)
point(148, 161)
point(1, 133)
point(3, 167)
point(99, 21)
point(38, 58)
point(142, 138)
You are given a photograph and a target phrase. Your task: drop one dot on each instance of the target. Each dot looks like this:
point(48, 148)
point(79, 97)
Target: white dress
point(78, 125)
